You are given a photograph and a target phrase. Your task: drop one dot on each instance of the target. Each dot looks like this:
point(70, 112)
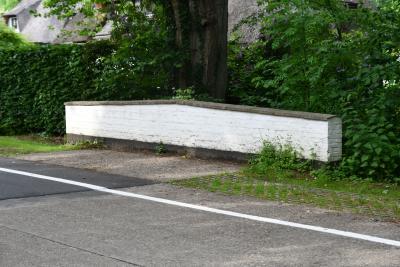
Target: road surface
point(50, 223)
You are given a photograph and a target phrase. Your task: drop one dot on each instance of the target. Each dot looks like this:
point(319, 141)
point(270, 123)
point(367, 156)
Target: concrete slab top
point(211, 105)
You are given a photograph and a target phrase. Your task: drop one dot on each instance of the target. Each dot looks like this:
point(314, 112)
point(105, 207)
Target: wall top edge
point(210, 105)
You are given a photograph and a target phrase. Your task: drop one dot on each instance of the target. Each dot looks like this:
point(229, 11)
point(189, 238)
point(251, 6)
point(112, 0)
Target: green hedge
point(35, 82)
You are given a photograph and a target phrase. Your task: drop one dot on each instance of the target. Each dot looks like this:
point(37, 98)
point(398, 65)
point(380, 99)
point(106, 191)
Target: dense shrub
point(322, 56)
point(136, 63)
point(144, 60)
point(8, 37)
point(273, 158)
point(36, 81)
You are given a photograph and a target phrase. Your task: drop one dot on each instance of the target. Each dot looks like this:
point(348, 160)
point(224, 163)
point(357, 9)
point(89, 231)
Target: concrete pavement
point(72, 227)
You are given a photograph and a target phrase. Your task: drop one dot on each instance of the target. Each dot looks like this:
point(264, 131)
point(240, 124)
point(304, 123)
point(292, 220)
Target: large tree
point(199, 29)
point(201, 26)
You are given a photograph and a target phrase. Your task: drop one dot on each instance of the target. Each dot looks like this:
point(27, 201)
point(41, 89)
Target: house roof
point(50, 29)
point(105, 33)
point(22, 6)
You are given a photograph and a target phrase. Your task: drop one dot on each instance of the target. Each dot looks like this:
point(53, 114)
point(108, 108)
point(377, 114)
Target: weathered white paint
point(199, 127)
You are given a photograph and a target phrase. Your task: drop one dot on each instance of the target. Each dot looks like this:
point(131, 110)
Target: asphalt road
point(46, 223)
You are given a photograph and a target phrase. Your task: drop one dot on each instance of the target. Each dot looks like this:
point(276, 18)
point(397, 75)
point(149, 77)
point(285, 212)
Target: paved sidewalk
point(140, 164)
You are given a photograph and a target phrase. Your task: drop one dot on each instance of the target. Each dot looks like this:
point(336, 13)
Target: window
point(351, 4)
point(13, 23)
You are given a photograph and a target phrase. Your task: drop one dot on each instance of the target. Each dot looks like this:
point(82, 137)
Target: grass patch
point(381, 201)
point(277, 175)
point(13, 146)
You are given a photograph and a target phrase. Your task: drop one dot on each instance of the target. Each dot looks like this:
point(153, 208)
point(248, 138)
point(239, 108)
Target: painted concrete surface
point(208, 128)
point(136, 165)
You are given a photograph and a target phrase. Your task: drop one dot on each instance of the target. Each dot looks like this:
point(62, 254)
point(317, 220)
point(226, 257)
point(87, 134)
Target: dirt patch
point(138, 165)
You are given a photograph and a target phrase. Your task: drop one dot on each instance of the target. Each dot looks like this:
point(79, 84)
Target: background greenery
point(312, 55)
point(36, 81)
point(9, 38)
point(322, 56)
point(6, 5)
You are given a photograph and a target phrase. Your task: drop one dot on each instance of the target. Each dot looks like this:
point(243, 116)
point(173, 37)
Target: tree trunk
point(202, 31)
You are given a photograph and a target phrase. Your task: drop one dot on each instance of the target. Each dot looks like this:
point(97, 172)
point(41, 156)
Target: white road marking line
point(207, 209)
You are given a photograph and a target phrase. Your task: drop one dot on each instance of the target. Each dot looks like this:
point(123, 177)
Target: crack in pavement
point(70, 246)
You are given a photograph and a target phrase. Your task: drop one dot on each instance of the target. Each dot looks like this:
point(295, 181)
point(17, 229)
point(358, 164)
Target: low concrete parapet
point(204, 129)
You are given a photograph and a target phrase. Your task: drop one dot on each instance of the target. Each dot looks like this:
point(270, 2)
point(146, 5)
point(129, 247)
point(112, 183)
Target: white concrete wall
point(206, 128)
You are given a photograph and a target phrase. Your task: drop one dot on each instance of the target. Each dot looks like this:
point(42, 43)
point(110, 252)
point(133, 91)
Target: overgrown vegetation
point(380, 201)
point(277, 174)
point(142, 63)
point(313, 55)
point(322, 56)
point(194, 32)
point(35, 81)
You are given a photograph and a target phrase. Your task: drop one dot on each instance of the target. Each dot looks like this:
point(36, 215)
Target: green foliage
point(191, 93)
point(242, 61)
point(372, 145)
point(377, 200)
point(185, 94)
point(143, 59)
point(161, 149)
point(6, 5)
point(89, 144)
point(142, 64)
point(322, 56)
point(9, 38)
point(136, 64)
point(36, 81)
point(12, 146)
point(275, 158)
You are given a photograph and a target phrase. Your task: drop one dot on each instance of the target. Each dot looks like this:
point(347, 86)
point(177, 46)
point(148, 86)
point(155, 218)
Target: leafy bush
point(7, 5)
point(36, 81)
point(372, 145)
point(185, 94)
point(144, 59)
point(137, 63)
point(322, 56)
point(191, 93)
point(242, 61)
point(276, 160)
point(9, 38)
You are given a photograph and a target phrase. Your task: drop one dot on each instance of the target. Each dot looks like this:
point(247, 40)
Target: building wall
point(209, 128)
point(239, 10)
